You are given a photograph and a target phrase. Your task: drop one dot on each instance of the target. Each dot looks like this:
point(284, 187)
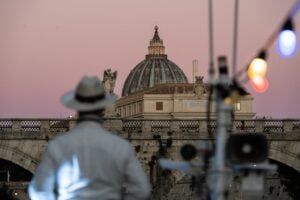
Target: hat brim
point(70, 101)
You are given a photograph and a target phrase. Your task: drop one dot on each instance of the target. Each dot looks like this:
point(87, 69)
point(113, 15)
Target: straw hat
point(88, 96)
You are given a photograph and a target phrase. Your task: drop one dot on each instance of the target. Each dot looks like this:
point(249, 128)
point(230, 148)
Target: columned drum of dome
point(155, 69)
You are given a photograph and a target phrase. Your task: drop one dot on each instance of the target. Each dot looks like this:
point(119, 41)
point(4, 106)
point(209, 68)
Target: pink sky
point(47, 46)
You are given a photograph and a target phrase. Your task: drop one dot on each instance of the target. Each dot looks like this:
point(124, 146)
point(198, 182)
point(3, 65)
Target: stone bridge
point(23, 141)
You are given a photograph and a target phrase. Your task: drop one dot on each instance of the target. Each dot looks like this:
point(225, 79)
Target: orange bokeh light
point(258, 67)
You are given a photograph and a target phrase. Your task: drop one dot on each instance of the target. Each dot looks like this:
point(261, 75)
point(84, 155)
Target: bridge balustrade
point(160, 126)
point(6, 125)
point(248, 126)
point(132, 126)
point(32, 128)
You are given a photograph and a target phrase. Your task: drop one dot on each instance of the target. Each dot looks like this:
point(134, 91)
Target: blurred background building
point(158, 88)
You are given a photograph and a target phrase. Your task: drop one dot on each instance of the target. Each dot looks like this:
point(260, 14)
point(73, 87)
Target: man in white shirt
point(88, 162)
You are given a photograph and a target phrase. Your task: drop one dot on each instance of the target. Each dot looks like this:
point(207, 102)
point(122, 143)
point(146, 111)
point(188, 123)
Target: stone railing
point(34, 128)
point(196, 126)
point(47, 128)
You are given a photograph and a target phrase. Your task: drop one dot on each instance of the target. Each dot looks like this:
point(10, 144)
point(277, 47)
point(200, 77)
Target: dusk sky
point(47, 46)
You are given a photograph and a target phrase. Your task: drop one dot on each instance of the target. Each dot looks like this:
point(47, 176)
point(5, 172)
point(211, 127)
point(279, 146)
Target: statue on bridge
point(109, 81)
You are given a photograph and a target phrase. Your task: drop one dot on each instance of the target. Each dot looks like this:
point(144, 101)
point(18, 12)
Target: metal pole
point(219, 172)
point(235, 38)
point(211, 41)
point(211, 70)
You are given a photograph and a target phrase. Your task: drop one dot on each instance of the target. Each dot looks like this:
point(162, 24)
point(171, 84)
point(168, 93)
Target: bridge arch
point(18, 157)
point(11, 172)
point(286, 153)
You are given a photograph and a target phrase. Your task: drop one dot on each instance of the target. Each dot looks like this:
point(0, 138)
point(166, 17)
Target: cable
point(292, 12)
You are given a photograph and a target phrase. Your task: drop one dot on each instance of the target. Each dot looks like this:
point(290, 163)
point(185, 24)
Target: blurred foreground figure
point(88, 162)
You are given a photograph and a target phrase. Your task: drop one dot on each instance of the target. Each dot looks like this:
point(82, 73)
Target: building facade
point(158, 88)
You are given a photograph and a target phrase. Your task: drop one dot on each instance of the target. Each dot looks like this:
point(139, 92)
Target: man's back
point(90, 163)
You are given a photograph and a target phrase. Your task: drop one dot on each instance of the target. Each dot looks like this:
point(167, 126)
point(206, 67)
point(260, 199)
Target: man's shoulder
point(114, 137)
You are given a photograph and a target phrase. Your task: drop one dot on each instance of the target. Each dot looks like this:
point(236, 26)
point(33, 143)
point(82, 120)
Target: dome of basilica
point(155, 69)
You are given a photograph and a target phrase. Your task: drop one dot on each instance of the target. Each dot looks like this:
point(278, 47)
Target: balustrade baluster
point(45, 127)
point(146, 128)
point(259, 126)
point(287, 126)
point(16, 126)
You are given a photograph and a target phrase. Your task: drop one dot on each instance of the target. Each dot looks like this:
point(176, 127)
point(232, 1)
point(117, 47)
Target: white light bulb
point(287, 43)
